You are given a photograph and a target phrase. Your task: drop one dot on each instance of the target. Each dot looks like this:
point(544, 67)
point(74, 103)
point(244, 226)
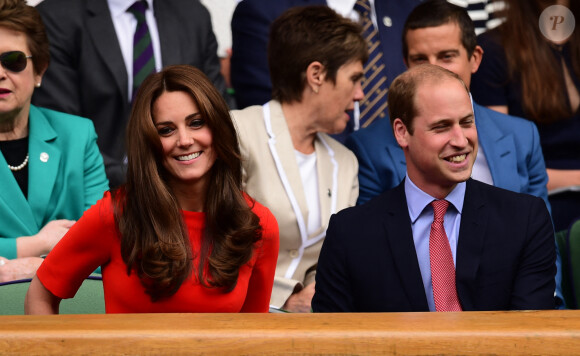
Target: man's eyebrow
point(447, 121)
point(468, 116)
point(454, 51)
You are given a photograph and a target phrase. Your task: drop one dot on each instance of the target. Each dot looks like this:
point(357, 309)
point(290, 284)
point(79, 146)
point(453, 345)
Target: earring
point(37, 85)
point(315, 89)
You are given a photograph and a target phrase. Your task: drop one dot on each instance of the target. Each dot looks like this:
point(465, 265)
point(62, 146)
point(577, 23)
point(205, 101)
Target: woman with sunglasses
point(50, 166)
point(180, 236)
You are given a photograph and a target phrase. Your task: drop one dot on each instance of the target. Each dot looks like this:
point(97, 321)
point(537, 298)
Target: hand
point(19, 268)
point(52, 232)
point(300, 302)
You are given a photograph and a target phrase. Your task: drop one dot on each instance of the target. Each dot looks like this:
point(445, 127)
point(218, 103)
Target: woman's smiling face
point(186, 139)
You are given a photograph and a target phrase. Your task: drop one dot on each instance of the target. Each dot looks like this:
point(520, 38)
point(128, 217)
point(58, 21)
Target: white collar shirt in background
point(125, 25)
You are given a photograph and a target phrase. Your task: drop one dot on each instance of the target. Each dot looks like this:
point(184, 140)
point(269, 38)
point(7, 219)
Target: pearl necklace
point(20, 166)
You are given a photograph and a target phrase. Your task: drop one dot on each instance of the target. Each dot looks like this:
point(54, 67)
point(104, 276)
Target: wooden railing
point(501, 333)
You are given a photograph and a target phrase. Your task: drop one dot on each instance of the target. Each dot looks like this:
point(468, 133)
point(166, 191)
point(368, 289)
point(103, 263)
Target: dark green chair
point(88, 300)
point(569, 245)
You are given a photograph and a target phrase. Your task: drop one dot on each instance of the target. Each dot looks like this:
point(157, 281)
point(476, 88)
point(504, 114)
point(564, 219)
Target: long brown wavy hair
point(154, 239)
point(529, 56)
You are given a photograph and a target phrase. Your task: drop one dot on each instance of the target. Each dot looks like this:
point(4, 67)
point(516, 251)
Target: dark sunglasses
point(14, 61)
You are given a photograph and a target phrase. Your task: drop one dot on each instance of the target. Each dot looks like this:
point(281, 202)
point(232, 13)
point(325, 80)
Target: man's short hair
point(435, 13)
point(306, 34)
point(402, 92)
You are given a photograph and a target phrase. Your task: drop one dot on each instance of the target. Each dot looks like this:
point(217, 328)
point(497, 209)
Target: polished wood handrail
point(502, 333)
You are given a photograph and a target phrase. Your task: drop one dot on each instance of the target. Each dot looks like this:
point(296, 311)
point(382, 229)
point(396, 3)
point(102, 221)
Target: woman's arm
point(19, 268)
point(40, 300)
point(559, 178)
point(43, 242)
point(262, 278)
point(499, 108)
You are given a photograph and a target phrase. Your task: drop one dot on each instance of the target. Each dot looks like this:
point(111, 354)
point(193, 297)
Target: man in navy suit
point(500, 244)
point(510, 155)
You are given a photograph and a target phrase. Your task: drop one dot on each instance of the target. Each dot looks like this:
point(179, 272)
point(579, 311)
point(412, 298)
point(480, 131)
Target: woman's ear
point(315, 74)
point(38, 77)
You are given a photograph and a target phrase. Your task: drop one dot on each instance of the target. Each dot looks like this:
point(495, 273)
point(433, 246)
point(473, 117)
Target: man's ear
point(315, 74)
point(476, 58)
point(401, 133)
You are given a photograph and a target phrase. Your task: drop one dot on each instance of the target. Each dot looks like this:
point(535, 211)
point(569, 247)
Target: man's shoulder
point(378, 130)
point(378, 133)
point(265, 11)
point(60, 8)
point(501, 197)
point(504, 122)
point(524, 132)
point(272, 8)
point(378, 205)
point(184, 5)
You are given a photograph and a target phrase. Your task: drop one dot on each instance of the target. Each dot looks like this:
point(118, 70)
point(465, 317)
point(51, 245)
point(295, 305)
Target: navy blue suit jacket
point(511, 146)
point(250, 25)
point(505, 255)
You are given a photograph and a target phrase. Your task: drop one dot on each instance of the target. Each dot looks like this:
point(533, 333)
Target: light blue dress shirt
point(421, 214)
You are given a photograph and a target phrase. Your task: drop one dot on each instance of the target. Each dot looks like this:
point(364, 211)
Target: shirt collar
point(118, 7)
point(417, 199)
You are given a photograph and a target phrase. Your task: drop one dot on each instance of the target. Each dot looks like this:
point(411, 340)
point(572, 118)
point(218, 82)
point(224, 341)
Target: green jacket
point(66, 176)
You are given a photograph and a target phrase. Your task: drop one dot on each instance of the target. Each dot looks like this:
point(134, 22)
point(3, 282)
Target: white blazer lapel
point(281, 145)
point(326, 185)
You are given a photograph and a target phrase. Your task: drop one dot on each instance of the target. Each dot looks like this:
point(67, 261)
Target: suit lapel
point(14, 208)
point(499, 149)
point(102, 31)
point(285, 150)
point(169, 32)
point(325, 170)
point(470, 245)
point(44, 163)
point(397, 227)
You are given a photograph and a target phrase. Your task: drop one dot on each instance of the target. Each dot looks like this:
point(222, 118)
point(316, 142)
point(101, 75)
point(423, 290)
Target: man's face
point(441, 45)
point(441, 151)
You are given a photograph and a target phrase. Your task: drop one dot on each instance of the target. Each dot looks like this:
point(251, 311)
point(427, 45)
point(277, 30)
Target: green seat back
point(88, 300)
point(569, 246)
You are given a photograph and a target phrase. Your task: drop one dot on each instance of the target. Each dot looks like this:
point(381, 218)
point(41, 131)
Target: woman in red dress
point(180, 235)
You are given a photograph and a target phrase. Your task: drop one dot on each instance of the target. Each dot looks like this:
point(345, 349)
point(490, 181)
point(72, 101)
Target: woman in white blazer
point(290, 164)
